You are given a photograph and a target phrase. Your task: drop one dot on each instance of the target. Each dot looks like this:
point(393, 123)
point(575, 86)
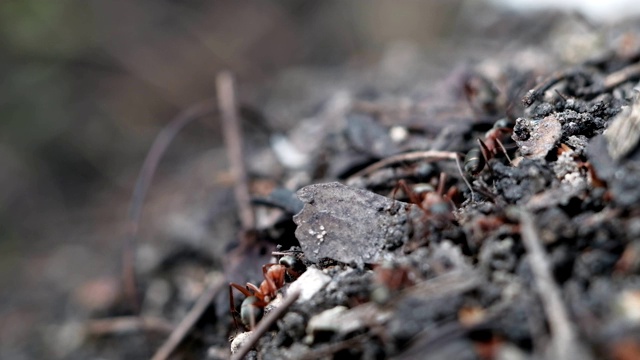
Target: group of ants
point(289, 267)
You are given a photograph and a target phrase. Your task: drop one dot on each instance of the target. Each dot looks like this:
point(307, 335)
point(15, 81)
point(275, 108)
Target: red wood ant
point(434, 203)
point(437, 207)
point(257, 298)
point(390, 279)
point(477, 157)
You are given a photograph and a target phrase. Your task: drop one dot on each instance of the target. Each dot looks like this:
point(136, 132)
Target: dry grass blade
point(233, 141)
point(431, 155)
point(158, 148)
point(176, 337)
point(565, 343)
point(535, 93)
point(128, 324)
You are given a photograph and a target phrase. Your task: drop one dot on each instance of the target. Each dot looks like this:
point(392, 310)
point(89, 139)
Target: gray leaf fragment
point(369, 137)
point(541, 136)
point(349, 224)
point(623, 134)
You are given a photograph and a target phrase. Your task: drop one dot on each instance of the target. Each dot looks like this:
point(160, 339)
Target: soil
point(413, 239)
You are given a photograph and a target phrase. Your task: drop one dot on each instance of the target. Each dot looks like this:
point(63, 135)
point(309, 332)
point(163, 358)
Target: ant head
point(294, 266)
point(289, 261)
point(250, 312)
point(502, 123)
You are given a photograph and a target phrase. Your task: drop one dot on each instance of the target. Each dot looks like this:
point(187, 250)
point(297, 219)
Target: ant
point(432, 202)
point(477, 158)
point(437, 207)
point(389, 279)
point(257, 298)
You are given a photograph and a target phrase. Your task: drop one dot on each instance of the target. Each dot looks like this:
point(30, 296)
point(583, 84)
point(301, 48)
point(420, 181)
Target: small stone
point(327, 320)
point(309, 283)
point(239, 340)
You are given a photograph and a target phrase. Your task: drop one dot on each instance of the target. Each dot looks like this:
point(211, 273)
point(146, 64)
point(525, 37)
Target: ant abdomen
point(474, 161)
point(250, 312)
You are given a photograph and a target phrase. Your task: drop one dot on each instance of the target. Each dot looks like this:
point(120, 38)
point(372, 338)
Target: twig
point(128, 324)
point(265, 324)
point(533, 94)
point(612, 80)
point(564, 340)
point(332, 349)
point(621, 76)
point(431, 155)
point(233, 141)
point(159, 146)
point(190, 319)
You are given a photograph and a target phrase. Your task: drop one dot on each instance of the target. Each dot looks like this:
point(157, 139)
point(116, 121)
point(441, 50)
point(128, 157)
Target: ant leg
point(464, 178)
point(453, 191)
point(486, 154)
point(252, 320)
point(253, 288)
point(441, 182)
point(244, 291)
point(275, 281)
point(413, 198)
point(232, 306)
point(504, 150)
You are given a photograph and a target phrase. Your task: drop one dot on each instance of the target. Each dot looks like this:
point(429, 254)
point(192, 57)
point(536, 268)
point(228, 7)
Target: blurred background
point(86, 85)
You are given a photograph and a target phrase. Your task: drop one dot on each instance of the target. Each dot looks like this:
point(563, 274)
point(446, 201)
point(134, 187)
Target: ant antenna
point(504, 150)
point(564, 99)
point(464, 178)
point(441, 181)
point(485, 154)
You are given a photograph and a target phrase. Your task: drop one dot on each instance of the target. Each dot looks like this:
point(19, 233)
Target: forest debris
point(620, 178)
point(628, 305)
point(342, 321)
point(565, 343)
point(287, 153)
point(280, 198)
point(623, 134)
point(349, 224)
point(369, 137)
point(239, 340)
point(187, 323)
point(538, 91)
point(128, 324)
point(330, 320)
point(536, 138)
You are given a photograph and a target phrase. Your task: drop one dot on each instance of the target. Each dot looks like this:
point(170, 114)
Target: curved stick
point(157, 150)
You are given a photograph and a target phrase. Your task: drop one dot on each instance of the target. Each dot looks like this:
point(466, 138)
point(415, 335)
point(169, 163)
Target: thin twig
point(128, 324)
point(612, 80)
point(190, 319)
point(564, 340)
point(265, 324)
point(431, 155)
point(535, 93)
point(332, 349)
point(159, 146)
point(233, 141)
